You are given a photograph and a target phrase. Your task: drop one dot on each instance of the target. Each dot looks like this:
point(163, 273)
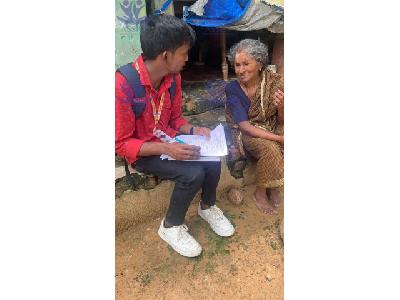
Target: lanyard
point(157, 114)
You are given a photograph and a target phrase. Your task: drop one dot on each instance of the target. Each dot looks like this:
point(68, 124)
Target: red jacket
point(131, 133)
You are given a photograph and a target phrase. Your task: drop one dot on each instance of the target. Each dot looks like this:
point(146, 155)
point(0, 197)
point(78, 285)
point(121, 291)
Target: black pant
point(189, 177)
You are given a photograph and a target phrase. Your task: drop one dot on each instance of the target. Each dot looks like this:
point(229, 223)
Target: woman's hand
point(278, 99)
point(204, 131)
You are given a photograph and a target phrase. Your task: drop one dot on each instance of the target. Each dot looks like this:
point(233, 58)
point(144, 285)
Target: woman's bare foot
point(262, 203)
point(274, 197)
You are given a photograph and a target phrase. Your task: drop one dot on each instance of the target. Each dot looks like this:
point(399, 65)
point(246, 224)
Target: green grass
point(143, 278)
point(206, 262)
point(273, 244)
point(196, 263)
point(164, 268)
point(216, 245)
point(268, 227)
point(210, 267)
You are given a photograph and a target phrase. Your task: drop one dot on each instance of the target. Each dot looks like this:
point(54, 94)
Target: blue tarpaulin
point(218, 13)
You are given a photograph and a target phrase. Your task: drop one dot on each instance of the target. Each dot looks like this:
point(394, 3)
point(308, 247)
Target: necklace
point(250, 92)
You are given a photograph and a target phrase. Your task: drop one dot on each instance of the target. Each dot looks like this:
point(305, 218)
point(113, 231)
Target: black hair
point(159, 33)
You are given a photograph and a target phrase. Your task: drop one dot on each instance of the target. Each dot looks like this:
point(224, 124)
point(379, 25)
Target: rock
point(268, 277)
point(235, 196)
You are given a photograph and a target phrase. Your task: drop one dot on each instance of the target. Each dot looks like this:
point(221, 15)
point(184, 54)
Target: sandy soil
point(248, 265)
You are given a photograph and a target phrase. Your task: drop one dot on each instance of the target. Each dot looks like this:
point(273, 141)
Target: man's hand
point(183, 151)
point(278, 99)
point(204, 131)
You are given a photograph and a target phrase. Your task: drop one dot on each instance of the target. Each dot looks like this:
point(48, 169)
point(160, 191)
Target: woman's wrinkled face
point(246, 67)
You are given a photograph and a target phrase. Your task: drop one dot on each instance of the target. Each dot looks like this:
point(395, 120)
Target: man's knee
point(193, 175)
point(215, 166)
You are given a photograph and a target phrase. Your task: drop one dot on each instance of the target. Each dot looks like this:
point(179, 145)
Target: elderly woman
point(255, 115)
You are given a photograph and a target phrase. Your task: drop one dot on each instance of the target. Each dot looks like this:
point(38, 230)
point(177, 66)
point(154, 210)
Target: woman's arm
point(248, 129)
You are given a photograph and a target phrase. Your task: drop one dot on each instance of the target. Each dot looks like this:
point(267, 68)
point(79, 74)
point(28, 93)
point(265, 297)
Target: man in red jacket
point(165, 42)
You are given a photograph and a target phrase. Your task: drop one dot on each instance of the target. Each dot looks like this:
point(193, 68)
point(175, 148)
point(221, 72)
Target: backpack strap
point(138, 101)
point(132, 76)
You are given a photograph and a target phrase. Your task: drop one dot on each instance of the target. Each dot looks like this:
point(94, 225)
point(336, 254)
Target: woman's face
point(246, 67)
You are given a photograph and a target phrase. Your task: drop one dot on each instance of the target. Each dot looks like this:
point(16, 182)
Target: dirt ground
point(248, 265)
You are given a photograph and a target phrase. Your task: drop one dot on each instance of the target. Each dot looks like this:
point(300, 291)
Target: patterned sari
point(262, 113)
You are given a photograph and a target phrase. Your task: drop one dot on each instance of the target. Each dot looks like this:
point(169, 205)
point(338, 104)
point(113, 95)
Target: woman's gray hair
point(254, 48)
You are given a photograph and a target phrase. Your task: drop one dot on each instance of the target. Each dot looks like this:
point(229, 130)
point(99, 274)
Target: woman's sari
point(262, 113)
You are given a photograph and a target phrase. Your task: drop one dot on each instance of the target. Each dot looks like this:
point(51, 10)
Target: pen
point(179, 141)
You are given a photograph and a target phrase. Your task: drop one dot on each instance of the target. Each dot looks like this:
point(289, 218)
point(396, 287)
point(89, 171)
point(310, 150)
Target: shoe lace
point(182, 233)
point(216, 213)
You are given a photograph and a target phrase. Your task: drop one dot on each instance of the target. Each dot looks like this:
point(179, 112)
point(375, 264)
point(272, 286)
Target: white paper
point(213, 148)
point(202, 158)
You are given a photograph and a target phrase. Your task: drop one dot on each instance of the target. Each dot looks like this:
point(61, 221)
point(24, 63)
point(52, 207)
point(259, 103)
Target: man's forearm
point(153, 148)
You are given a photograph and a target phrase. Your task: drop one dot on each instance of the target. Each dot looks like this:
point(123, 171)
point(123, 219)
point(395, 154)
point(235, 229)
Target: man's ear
point(164, 55)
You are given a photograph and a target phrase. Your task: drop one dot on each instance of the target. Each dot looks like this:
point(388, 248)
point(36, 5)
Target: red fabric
point(131, 133)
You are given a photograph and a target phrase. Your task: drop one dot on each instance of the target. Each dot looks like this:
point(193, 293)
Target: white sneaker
point(180, 240)
point(218, 222)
